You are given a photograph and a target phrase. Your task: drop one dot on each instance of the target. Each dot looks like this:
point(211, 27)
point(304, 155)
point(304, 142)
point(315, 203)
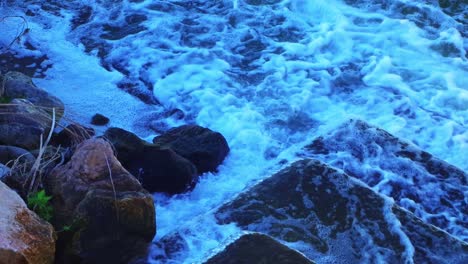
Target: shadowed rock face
point(22, 124)
point(158, 169)
point(339, 218)
point(423, 184)
point(258, 248)
point(206, 149)
point(18, 85)
point(112, 218)
point(24, 237)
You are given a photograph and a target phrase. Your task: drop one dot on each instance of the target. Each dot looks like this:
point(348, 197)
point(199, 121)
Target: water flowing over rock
point(106, 215)
point(337, 217)
point(423, 184)
point(158, 169)
point(203, 147)
point(24, 237)
point(258, 248)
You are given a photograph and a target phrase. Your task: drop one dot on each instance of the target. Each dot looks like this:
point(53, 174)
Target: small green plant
point(5, 100)
point(39, 203)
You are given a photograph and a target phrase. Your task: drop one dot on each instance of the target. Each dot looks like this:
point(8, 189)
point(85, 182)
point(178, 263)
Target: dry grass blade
point(24, 29)
point(113, 189)
point(42, 148)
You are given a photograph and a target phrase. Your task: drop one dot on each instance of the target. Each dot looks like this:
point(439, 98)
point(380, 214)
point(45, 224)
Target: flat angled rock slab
point(336, 218)
point(430, 188)
point(258, 248)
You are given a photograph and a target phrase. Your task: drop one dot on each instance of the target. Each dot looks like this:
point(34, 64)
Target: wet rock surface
point(338, 217)
point(22, 124)
point(202, 146)
point(18, 85)
point(158, 169)
point(258, 248)
point(430, 188)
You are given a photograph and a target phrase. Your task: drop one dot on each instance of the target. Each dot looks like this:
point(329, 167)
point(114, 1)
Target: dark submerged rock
point(258, 248)
point(110, 216)
point(338, 217)
point(202, 146)
point(158, 169)
point(99, 120)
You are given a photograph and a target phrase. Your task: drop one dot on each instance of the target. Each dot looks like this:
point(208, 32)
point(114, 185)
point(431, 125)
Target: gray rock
point(22, 124)
point(20, 162)
point(339, 218)
point(202, 146)
point(20, 86)
point(258, 248)
point(423, 184)
point(8, 154)
point(158, 169)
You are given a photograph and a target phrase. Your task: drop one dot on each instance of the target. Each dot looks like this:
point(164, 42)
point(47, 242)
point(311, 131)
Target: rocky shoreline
point(91, 191)
point(89, 196)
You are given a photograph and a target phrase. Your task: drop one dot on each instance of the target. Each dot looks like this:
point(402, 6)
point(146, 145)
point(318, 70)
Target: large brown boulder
point(24, 236)
point(107, 215)
point(202, 146)
point(22, 124)
point(258, 248)
point(158, 169)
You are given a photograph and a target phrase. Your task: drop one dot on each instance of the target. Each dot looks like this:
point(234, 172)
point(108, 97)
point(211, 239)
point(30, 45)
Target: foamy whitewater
point(269, 77)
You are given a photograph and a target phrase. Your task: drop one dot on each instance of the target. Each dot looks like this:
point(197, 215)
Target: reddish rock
point(110, 216)
point(24, 236)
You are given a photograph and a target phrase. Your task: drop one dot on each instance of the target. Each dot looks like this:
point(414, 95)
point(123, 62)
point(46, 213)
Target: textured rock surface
point(72, 135)
point(20, 161)
point(10, 153)
point(158, 169)
point(338, 218)
point(258, 248)
point(22, 123)
point(423, 184)
point(18, 85)
point(112, 218)
point(202, 146)
point(99, 120)
point(24, 237)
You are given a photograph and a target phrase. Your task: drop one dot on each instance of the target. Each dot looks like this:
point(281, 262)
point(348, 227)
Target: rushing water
point(269, 75)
